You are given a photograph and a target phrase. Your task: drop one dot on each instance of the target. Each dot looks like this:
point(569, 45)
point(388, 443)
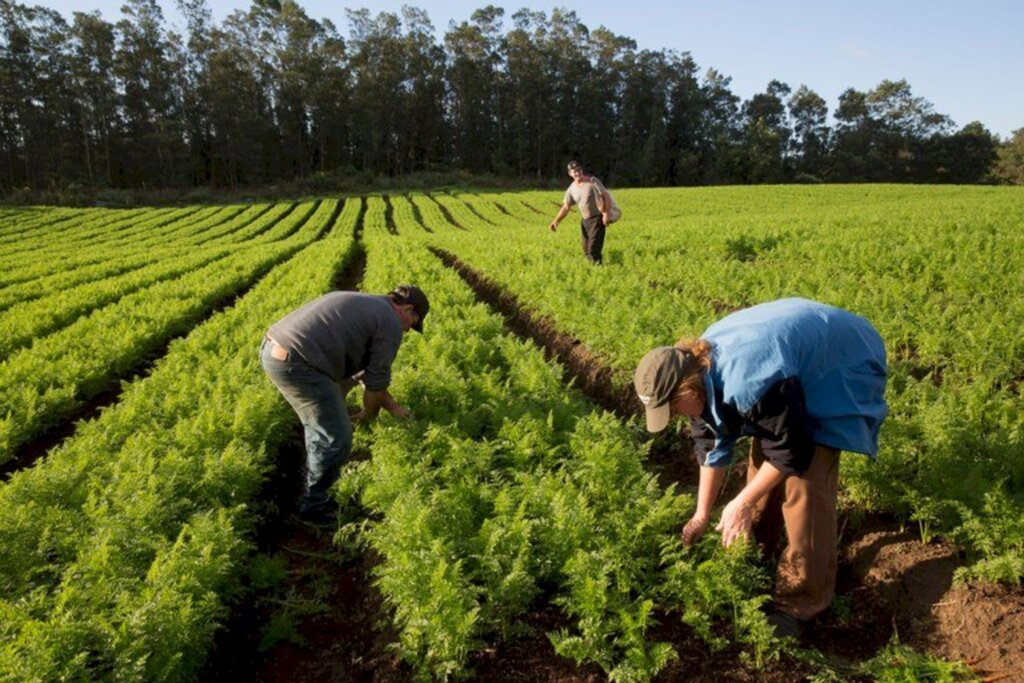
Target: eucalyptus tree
point(526, 96)
point(766, 135)
point(853, 157)
point(965, 156)
point(642, 145)
point(148, 60)
point(244, 145)
point(475, 64)
point(721, 129)
point(1009, 167)
point(687, 134)
point(377, 62)
point(572, 110)
point(422, 127)
point(92, 66)
point(602, 100)
point(810, 141)
point(37, 111)
point(196, 88)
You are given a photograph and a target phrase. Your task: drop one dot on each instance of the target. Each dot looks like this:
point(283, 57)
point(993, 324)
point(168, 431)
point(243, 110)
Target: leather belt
point(277, 352)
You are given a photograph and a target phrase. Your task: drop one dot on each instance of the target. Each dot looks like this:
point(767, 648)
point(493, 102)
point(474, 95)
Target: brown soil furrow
point(325, 620)
point(591, 376)
point(389, 215)
point(472, 209)
point(445, 212)
point(533, 208)
point(416, 214)
point(670, 453)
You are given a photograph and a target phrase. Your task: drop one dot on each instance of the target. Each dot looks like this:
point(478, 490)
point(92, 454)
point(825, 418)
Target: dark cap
point(656, 380)
point(411, 294)
point(574, 165)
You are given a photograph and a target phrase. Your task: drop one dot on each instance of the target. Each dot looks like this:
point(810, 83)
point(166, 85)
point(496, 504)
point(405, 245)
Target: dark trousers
point(592, 234)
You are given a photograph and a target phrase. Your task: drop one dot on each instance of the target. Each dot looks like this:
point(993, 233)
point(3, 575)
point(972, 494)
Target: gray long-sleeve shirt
point(343, 333)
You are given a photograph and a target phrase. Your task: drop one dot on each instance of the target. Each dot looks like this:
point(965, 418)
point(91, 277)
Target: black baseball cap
point(411, 294)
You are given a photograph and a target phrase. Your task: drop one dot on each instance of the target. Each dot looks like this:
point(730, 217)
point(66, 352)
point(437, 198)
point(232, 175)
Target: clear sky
point(964, 57)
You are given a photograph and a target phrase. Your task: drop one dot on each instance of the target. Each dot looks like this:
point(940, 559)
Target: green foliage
point(927, 266)
point(45, 383)
point(123, 546)
point(509, 491)
point(996, 534)
point(898, 663)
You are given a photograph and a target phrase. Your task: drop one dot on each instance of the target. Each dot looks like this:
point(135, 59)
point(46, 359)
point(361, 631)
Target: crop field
point(522, 525)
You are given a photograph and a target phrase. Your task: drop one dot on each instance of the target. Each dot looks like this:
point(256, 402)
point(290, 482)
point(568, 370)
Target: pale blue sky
point(964, 57)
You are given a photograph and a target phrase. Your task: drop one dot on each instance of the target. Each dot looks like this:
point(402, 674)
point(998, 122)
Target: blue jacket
point(794, 373)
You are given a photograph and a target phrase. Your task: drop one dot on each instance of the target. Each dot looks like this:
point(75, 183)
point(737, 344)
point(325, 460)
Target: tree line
point(270, 94)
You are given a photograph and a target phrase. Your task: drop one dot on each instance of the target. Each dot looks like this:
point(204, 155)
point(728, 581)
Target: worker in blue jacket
point(806, 381)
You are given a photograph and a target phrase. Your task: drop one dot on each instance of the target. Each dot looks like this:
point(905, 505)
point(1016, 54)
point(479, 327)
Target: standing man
point(597, 210)
point(806, 381)
point(317, 353)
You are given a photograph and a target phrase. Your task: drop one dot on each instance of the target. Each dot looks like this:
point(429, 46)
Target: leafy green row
point(43, 281)
point(485, 209)
point(152, 229)
point(21, 222)
point(461, 212)
point(91, 245)
point(122, 547)
point(43, 384)
point(930, 267)
point(509, 492)
point(140, 237)
point(375, 216)
point(430, 212)
point(91, 228)
point(404, 214)
point(23, 323)
point(18, 223)
point(58, 251)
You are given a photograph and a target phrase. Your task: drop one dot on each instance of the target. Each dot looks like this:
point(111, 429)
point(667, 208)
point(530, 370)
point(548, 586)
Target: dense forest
point(271, 94)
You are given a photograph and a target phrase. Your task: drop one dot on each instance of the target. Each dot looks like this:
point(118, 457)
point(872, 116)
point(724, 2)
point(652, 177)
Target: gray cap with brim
point(656, 380)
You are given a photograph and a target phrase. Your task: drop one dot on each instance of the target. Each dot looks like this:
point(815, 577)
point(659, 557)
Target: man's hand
point(694, 529)
point(737, 520)
point(606, 218)
point(553, 226)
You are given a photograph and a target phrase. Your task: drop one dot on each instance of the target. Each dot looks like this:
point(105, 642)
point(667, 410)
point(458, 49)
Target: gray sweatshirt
point(343, 333)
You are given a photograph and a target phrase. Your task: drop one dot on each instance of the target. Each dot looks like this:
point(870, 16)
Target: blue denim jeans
point(320, 405)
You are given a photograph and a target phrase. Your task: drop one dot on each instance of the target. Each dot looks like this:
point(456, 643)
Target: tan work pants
point(805, 505)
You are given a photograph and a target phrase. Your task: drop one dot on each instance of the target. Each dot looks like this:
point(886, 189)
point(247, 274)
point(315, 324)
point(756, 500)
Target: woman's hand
point(397, 410)
point(737, 520)
point(694, 529)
